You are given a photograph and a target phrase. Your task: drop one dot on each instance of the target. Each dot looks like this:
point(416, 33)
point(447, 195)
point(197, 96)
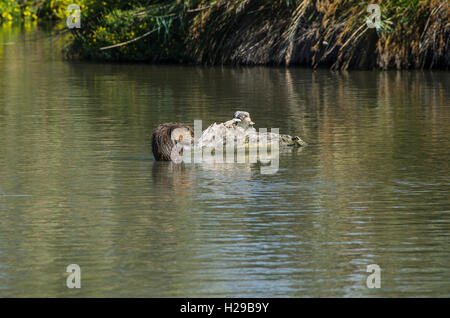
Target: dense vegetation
point(11, 10)
point(412, 33)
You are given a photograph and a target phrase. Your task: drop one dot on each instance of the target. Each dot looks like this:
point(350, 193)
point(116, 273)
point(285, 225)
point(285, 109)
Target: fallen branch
point(130, 41)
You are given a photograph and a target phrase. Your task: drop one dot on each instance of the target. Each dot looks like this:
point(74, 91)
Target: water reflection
point(371, 187)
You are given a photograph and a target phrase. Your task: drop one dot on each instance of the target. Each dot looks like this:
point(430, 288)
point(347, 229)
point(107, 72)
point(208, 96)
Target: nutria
point(168, 141)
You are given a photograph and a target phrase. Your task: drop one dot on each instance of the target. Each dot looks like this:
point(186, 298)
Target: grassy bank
point(412, 33)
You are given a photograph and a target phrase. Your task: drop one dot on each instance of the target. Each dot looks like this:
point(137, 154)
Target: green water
point(79, 184)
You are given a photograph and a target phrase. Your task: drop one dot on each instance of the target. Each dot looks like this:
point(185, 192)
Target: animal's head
point(182, 135)
point(169, 139)
point(244, 119)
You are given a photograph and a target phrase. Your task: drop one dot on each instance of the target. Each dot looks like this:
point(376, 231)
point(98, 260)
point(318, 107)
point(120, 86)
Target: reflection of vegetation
point(412, 33)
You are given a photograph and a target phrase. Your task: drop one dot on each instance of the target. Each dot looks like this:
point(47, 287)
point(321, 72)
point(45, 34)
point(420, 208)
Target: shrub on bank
point(11, 10)
point(132, 31)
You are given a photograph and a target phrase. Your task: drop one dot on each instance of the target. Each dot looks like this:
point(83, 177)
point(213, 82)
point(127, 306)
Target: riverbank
point(413, 34)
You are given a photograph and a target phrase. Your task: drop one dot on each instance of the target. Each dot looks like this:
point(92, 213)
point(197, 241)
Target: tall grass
point(412, 34)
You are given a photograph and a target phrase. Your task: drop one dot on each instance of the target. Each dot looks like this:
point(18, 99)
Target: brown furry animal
point(168, 140)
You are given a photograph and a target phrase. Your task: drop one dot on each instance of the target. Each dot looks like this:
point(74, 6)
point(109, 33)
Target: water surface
point(79, 184)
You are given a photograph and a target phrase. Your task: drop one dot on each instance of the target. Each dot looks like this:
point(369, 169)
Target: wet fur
point(162, 142)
